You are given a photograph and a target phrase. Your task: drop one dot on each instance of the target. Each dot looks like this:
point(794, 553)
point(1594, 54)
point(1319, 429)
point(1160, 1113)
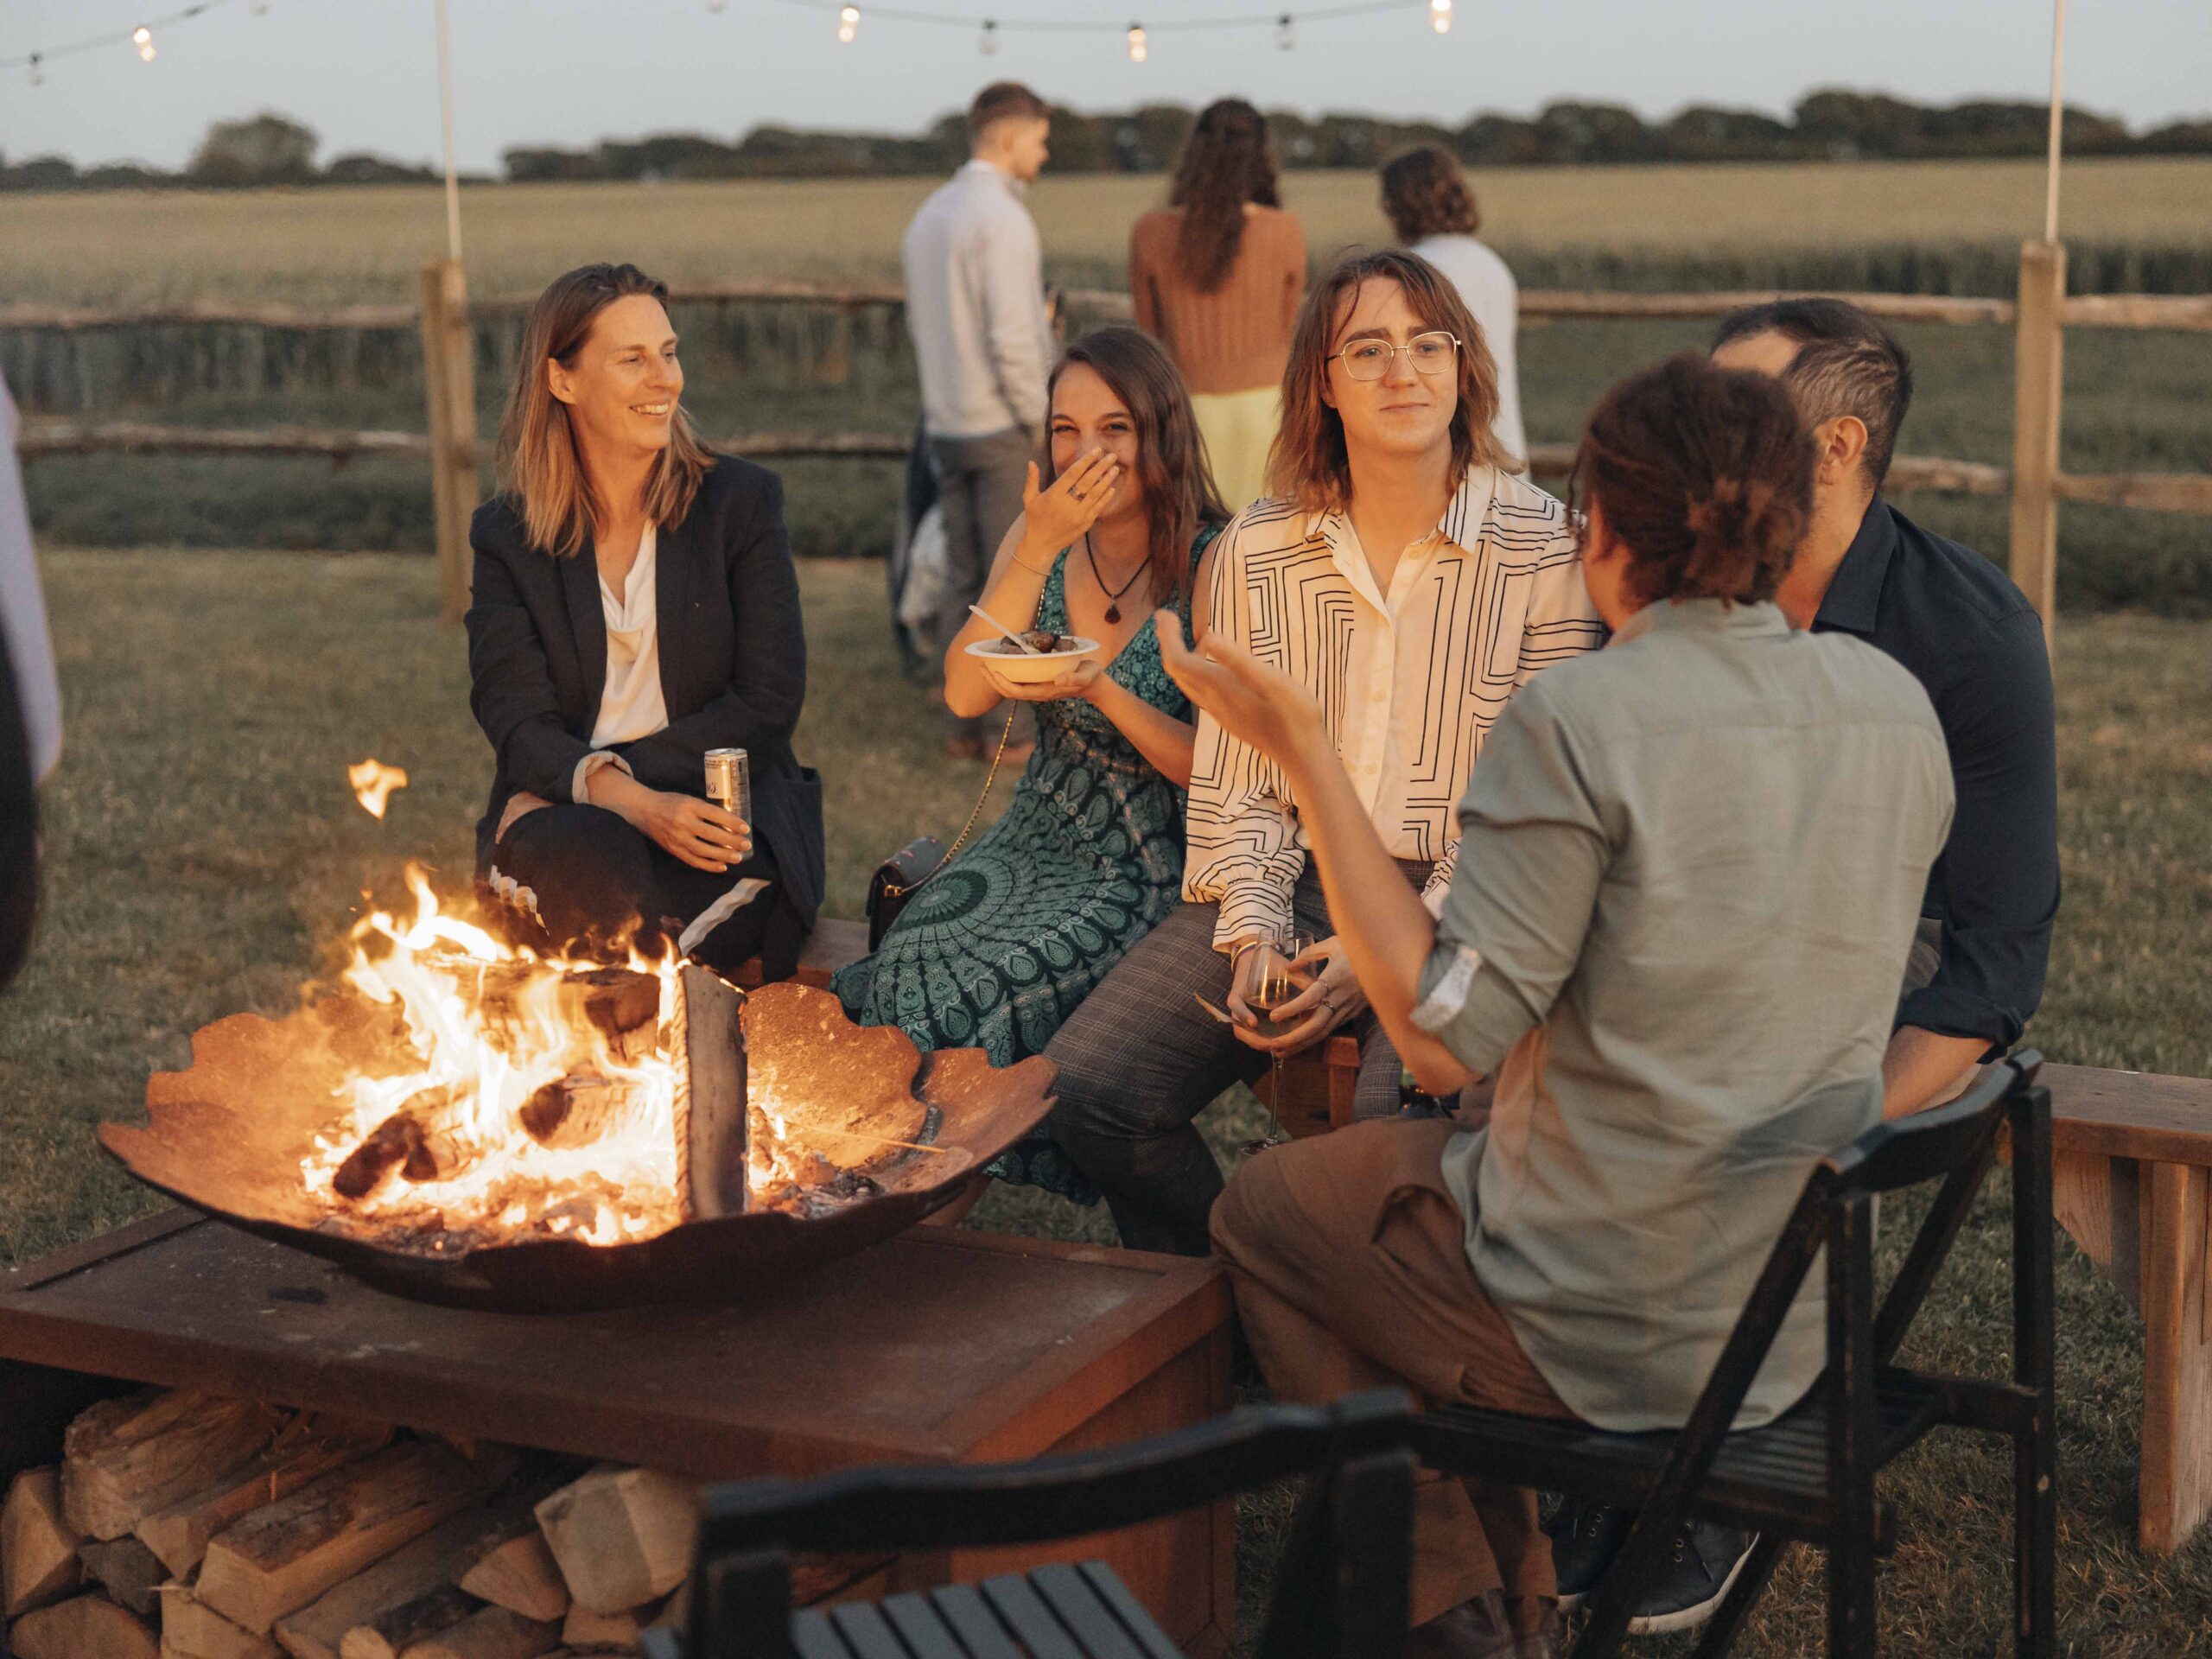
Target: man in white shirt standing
point(1436, 216)
point(1406, 577)
point(975, 308)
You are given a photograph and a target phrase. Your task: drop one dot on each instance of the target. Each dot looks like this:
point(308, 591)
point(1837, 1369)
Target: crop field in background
point(330, 245)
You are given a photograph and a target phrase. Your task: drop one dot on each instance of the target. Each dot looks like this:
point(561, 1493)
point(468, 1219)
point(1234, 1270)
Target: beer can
point(730, 782)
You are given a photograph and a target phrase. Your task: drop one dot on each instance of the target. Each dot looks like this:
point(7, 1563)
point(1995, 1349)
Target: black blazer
point(733, 663)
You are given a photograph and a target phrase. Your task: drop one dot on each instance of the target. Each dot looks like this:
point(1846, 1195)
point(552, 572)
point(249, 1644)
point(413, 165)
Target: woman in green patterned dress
point(997, 948)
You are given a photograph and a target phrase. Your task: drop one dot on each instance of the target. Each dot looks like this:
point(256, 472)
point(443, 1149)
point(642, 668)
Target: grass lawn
point(204, 853)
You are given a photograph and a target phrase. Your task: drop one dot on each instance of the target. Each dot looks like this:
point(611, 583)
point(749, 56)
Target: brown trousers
point(1349, 1258)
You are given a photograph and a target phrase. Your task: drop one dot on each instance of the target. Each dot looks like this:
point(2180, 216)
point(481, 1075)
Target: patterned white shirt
point(1410, 681)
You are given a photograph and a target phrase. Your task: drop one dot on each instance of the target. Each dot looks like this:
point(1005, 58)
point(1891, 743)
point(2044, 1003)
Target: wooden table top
point(939, 1345)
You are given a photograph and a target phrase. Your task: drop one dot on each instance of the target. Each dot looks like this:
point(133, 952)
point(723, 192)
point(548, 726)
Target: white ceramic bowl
point(1024, 670)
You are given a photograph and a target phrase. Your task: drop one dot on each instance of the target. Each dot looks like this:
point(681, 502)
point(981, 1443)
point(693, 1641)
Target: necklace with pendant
point(1113, 599)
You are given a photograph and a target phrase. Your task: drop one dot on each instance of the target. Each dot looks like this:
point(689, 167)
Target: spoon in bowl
point(1026, 647)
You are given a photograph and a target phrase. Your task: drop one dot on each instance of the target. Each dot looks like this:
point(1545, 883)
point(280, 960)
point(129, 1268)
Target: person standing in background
point(31, 705)
point(1436, 216)
point(983, 344)
point(1218, 277)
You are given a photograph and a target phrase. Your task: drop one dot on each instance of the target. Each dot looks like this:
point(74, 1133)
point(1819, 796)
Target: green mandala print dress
point(998, 948)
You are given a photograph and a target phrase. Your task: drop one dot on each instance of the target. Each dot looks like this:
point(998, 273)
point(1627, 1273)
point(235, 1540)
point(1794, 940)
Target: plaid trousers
point(1139, 1059)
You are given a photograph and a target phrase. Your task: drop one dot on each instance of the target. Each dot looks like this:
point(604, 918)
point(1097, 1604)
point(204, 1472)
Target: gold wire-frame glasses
point(1430, 354)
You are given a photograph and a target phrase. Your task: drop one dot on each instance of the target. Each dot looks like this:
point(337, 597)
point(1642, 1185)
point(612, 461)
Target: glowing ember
point(535, 1101)
point(373, 782)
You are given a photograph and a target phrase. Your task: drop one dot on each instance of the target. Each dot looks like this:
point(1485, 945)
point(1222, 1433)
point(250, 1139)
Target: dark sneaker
point(1704, 1564)
point(1585, 1539)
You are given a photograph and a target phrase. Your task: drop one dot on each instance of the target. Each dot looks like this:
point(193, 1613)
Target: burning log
point(130, 1572)
point(38, 1549)
point(124, 1460)
point(191, 1630)
point(308, 1448)
point(413, 1140)
point(90, 1627)
point(575, 1111)
point(283, 1556)
point(623, 1536)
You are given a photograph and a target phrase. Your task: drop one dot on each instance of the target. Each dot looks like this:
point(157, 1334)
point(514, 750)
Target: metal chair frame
point(1341, 1595)
point(1810, 1476)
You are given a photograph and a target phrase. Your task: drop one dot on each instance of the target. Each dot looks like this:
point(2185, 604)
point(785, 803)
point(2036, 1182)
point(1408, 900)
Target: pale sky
point(362, 73)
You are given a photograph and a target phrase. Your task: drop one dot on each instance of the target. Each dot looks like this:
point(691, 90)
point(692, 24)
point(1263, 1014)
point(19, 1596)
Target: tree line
point(1828, 125)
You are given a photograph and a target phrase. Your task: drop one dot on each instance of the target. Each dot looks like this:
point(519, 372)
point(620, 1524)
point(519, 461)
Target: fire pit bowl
point(228, 1136)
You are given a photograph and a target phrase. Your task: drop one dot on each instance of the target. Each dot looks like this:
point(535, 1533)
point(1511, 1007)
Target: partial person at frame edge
point(30, 706)
point(634, 606)
point(1689, 870)
point(1975, 643)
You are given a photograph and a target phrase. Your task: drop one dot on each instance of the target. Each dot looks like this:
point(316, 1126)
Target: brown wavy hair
point(1179, 488)
point(539, 465)
point(1308, 464)
point(1705, 474)
point(1226, 161)
point(1424, 194)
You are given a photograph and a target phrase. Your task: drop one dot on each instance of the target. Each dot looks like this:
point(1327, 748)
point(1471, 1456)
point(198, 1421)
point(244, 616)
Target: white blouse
point(630, 704)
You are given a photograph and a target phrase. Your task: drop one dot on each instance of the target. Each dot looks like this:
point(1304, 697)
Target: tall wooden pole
point(2038, 366)
point(445, 127)
point(449, 379)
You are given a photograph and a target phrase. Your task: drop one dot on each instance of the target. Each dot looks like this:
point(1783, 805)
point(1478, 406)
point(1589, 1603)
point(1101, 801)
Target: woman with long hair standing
point(1436, 216)
point(1218, 277)
point(634, 606)
point(996, 950)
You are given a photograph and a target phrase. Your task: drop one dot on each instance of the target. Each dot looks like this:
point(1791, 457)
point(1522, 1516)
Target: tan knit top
point(1237, 337)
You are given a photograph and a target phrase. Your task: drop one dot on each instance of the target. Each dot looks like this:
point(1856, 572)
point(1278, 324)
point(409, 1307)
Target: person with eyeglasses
point(1401, 573)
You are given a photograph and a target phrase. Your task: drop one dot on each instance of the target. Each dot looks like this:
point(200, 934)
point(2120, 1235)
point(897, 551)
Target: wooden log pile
point(179, 1525)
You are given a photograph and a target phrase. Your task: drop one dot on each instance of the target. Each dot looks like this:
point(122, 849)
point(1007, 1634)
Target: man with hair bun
point(1689, 867)
point(983, 344)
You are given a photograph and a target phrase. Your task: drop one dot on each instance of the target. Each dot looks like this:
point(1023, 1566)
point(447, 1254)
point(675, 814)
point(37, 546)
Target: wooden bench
point(2133, 1185)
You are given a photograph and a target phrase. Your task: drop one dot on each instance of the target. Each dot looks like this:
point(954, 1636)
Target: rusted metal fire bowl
point(227, 1137)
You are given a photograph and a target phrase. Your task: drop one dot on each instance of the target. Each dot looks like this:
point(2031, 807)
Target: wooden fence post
point(2038, 384)
point(449, 379)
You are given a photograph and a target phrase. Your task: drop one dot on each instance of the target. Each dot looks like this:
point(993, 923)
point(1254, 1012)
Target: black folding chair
point(1342, 1593)
point(1809, 1476)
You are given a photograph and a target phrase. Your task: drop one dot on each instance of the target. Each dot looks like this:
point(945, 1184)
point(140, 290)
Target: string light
point(38, 75)
point(143, 38)
point(715, 6)
point(1285, 37)
point(1440, 16)
point(987, 42)
point(1138, 50)
point(848, 23)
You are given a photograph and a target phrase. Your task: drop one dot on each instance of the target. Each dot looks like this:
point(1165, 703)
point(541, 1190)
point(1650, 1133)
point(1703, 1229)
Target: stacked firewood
point(186, 1526)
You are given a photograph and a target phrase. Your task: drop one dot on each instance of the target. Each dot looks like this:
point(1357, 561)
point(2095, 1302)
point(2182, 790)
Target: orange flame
point(487, 1027)
point(373, 782)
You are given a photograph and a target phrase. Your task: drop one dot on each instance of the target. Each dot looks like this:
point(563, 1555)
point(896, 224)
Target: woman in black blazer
point(634, 606)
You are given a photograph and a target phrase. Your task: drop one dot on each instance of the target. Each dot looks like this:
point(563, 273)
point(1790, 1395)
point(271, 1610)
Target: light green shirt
point(1691, 869)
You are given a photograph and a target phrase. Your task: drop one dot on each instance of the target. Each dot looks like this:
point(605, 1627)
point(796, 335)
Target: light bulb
point(987, 42)
point(1138, 50)
point(848, 23)
point(38, 74)
point(258, 7)
point(1440, 16)
point(143, 38)
point(1285, 38)
point(717, 5)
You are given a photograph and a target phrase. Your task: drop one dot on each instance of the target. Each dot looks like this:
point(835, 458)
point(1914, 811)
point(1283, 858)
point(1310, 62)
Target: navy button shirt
point(1976, 646)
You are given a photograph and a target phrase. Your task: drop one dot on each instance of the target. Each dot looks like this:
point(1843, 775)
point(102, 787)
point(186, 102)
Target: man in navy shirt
point(1971, 638)
point(1975, 645)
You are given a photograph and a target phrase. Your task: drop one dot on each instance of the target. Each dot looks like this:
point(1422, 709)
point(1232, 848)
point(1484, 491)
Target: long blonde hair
point(539, 465)
point(1309, 465)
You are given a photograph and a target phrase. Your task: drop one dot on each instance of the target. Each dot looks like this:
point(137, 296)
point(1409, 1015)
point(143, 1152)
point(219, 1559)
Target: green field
point(204, 856)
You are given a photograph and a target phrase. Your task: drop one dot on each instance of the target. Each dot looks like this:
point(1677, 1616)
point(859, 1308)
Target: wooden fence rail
point(2039, 317)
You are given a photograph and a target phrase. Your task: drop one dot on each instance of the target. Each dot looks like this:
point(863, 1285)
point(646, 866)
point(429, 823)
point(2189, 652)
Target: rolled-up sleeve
point(1997, 883)
point(1534, 846)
